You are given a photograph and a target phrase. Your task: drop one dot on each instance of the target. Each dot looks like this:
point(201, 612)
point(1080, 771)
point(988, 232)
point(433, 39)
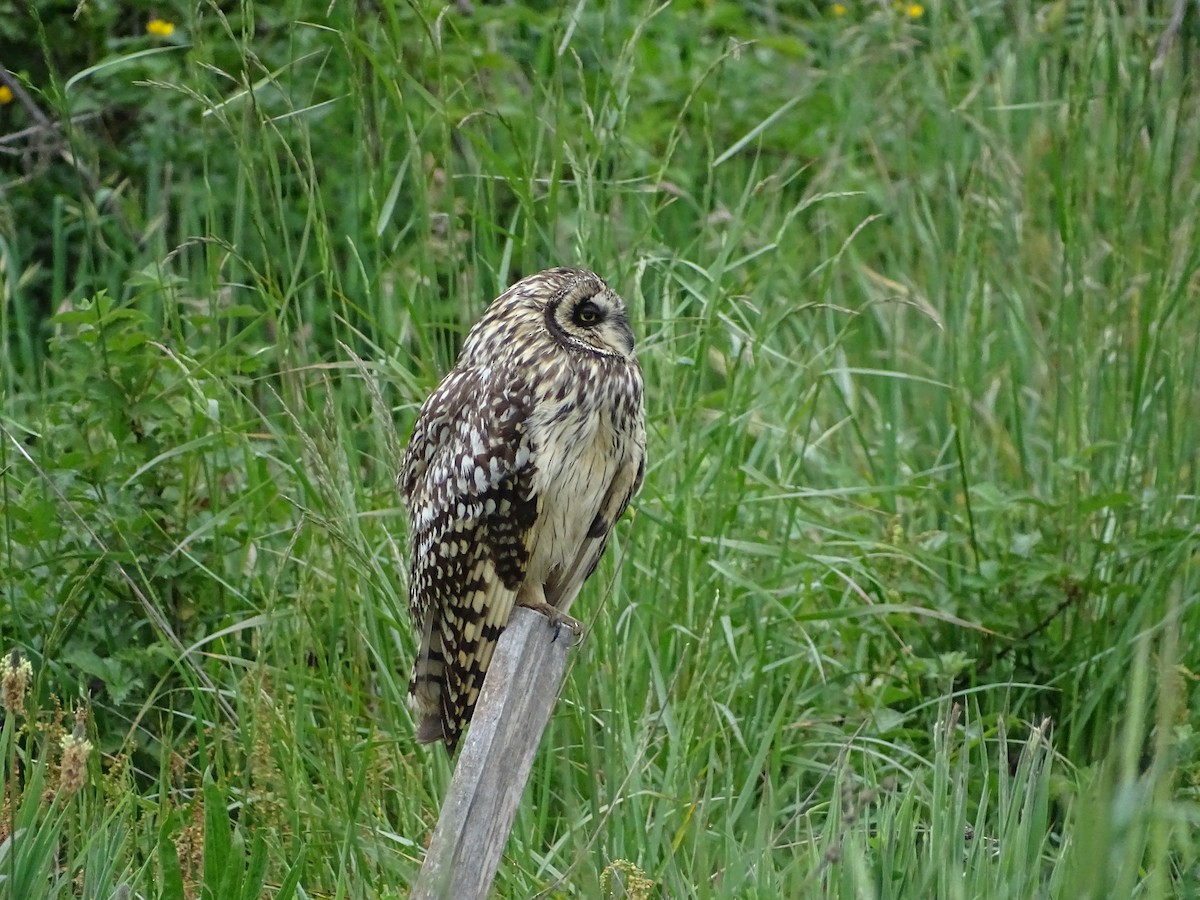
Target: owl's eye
point(587, 313)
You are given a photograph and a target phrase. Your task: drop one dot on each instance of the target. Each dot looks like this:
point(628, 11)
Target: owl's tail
point(456, 648)
point(430, 729)
point(428, 685)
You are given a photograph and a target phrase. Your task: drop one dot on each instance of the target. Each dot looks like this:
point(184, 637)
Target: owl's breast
point(578, 456)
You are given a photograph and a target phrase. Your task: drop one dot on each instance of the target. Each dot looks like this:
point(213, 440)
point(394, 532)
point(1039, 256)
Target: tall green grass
point(903, 608)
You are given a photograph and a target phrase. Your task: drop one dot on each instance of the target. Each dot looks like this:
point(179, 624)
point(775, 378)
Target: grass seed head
point(15, 673)
point(75, 751)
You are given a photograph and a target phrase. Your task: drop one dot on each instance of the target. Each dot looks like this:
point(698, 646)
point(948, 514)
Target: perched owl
point(520, 463)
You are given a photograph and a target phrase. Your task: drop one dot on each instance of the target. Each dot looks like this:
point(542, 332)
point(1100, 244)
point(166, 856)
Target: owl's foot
point(557, 617)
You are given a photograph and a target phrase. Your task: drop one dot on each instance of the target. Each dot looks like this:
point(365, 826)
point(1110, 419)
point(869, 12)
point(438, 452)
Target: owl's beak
point(626, 333)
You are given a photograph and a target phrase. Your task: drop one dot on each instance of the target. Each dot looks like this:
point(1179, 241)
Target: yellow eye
point(587, 313)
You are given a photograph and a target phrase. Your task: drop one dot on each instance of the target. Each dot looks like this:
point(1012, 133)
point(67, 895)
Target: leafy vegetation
point(903, 610)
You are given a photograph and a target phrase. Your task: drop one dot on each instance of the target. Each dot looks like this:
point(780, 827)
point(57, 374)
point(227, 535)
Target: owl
point(520, 463)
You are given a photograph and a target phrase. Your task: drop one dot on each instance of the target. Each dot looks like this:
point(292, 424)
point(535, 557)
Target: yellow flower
point(6, 94)
point(914, 10)
point(838, 9)
point(160, 28)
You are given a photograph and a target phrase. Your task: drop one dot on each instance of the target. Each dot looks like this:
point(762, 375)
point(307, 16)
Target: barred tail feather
point(428, 685)
point(455, 653)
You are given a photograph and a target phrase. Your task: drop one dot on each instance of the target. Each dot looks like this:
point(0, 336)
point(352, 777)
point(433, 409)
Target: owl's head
point(585, 314)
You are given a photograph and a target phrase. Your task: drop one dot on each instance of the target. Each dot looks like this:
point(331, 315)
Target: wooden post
point(514, 705)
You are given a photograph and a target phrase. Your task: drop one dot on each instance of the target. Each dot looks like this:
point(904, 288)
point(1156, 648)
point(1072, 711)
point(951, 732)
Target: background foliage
point(903, 608)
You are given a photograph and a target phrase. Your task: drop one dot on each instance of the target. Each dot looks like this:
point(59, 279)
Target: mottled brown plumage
point(520, 463)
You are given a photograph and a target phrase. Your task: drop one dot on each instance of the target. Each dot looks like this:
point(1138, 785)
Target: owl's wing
point(468, 480)
point(564, 587)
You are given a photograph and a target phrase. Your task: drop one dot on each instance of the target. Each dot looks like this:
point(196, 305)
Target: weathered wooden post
point(513, 709)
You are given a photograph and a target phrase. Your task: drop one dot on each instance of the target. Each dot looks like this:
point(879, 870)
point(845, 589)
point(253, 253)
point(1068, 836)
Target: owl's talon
point(555, 617)
point(561, 621)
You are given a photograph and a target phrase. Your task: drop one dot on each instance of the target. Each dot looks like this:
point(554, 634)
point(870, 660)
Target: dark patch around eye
point(587, 313)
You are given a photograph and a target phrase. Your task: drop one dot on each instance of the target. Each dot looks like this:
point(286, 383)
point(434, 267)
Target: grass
point(902, 610)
